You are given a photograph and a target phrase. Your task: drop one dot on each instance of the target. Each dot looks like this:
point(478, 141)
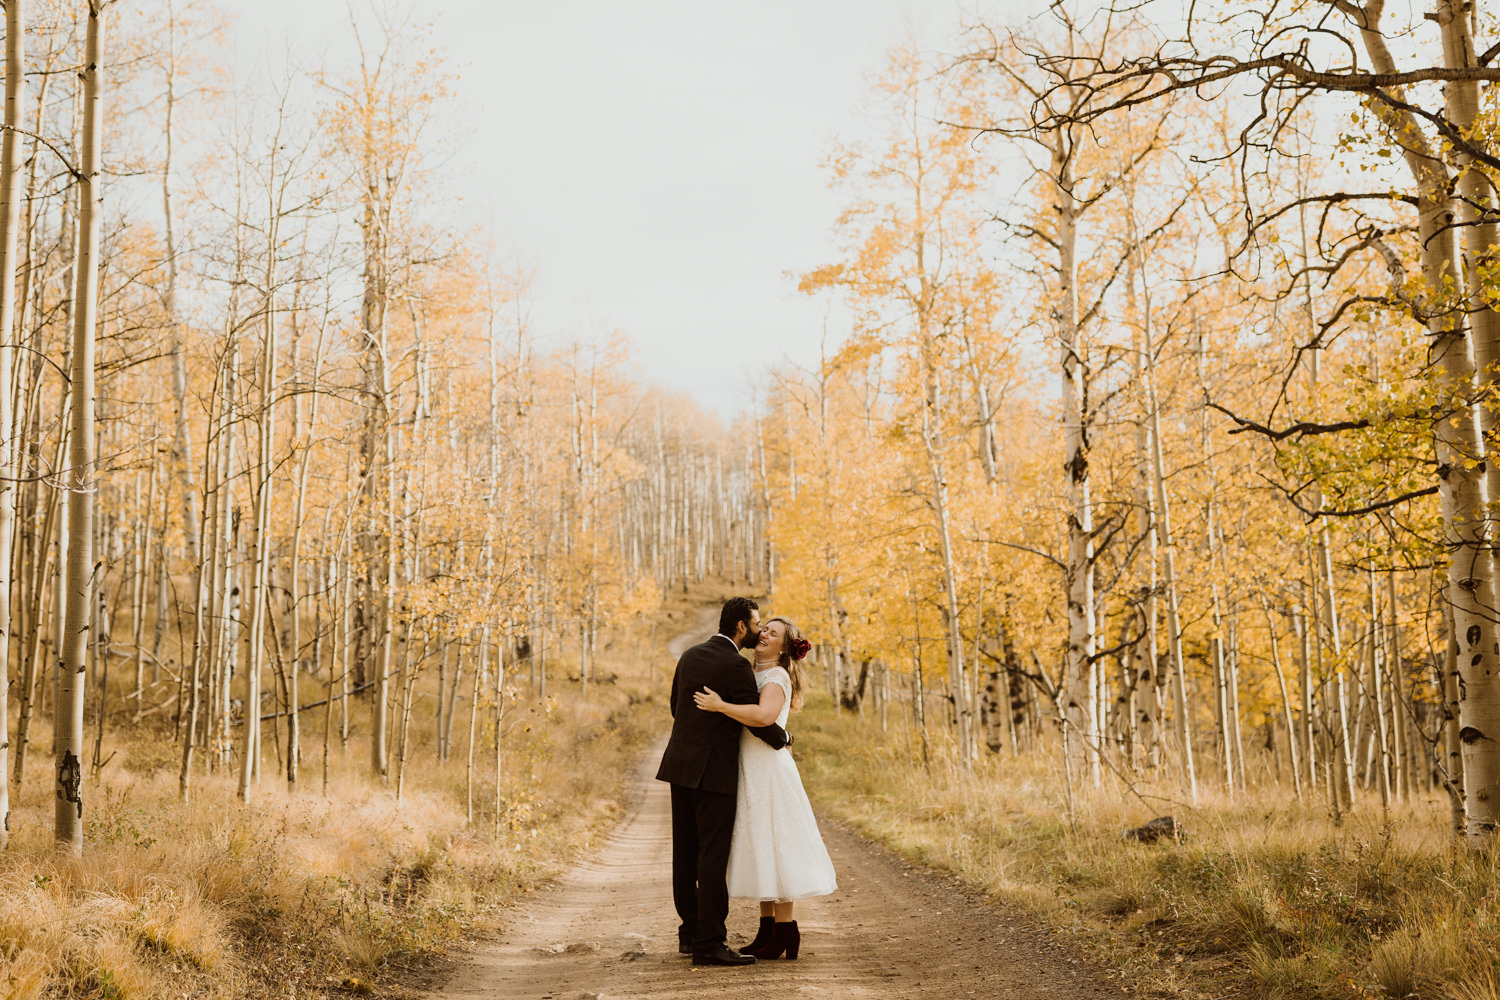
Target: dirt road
point(607, 930)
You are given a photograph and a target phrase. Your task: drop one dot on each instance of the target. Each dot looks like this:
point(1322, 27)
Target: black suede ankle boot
point(762, 937)
point(785, 940)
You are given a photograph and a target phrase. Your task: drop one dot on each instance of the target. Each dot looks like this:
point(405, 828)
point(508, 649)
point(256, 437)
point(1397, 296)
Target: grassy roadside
point(305, 895)
point(1265, 898)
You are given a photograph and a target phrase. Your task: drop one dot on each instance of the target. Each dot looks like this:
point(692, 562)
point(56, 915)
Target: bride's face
point(772, 640)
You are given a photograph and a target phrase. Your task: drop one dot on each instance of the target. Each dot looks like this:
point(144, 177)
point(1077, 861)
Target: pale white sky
point(657, 163)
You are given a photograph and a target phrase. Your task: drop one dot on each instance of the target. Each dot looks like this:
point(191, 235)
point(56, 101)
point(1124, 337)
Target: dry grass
point(1265, 898)
point(298, 894)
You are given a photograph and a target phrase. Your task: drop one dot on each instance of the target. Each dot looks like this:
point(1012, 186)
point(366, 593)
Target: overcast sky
point(657, 163)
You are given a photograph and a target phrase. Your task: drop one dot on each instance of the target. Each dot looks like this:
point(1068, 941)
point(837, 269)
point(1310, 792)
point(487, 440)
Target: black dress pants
point(702, 826)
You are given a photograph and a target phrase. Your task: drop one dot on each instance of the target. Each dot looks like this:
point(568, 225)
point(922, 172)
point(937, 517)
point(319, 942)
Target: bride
point(777, 854)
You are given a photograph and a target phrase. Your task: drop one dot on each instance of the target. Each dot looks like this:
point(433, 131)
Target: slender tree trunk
point(1164, 539)
point(1453, 748)
point(101, 650)
point(500, 807)
point(932, 440)
point(68, 816)
point(1079, 711)
point(473, 730)
point(1147, 694)
point(10, 213)
point(182, 441)
point(264, 481)
point(1394, 673)
point(1377, 697)
point(1286, 701)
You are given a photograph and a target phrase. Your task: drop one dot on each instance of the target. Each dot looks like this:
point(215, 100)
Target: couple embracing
point(741, 822)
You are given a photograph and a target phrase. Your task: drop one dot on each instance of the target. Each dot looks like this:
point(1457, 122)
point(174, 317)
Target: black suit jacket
point(704, 749)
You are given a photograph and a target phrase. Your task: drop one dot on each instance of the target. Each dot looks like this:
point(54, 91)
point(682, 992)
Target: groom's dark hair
point(736, 610)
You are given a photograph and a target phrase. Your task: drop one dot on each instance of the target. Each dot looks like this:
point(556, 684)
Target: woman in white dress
point(777, 854)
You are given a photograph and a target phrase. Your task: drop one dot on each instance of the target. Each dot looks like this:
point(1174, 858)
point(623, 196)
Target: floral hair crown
point(800, 648)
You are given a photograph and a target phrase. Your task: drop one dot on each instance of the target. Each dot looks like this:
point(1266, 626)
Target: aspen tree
point(1466, 488)
point(15, 56)
point(1286, 701)
point(68, 818)
point(1436, 146)
point(263, 473)
point(1452, 766)
point(182, 441)
point(1147, 707)
point(1163, 533)
point(1394, 672)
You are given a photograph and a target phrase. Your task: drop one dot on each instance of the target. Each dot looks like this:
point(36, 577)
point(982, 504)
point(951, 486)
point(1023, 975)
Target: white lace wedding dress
point(777, 852)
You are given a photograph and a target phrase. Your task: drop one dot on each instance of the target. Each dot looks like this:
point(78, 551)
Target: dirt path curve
point(607, 930)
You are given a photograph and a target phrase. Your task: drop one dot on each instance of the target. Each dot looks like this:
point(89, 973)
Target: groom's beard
point(750, 641)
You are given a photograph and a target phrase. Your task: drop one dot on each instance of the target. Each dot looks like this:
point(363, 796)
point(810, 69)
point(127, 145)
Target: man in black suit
point(702, 762)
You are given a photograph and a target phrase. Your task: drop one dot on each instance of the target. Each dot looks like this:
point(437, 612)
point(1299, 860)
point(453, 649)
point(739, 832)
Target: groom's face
point(751, 633)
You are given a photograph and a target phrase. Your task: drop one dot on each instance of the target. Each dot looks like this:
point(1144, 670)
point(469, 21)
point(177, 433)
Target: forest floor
point(607, 929)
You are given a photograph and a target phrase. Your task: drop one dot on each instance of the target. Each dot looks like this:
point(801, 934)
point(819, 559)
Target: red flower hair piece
point(800, 648)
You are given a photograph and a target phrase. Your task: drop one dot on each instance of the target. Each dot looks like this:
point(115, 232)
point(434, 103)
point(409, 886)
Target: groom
point(702, 762)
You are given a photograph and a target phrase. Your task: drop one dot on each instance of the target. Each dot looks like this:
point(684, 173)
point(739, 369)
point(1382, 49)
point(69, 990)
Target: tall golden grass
point(302, 894)
point(1265, 897)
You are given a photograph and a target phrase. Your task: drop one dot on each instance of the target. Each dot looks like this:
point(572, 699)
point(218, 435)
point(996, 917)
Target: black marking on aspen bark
point(1473, 634)
point(70, 780)
point(1476, 659)
point(1468, 735)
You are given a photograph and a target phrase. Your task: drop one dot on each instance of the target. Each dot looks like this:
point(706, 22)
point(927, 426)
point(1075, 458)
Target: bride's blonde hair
point(791, 639)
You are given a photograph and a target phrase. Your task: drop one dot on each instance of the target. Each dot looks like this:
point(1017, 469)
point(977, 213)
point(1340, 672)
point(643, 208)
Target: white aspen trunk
point(469, 759)
point(1462, 474)
point(1286, 701)
point(932, 440)
point(336, 619)
point(1163, 522)
point(1479, 661)
point(260, 537)
point(1078, 681)
point(302, 437)
point(1377, 696)
point(182, 441)
point(984, 416)
point(10, 210)
point(484, 639)
point(1221, 708)
point(379, 720)
point(441, 708)
point(1452, 749)
point(142, 566)
point(1326, 619)
point(452, 707)
point(1395, 673)
point(1224, 693)
point(409, 675)
point(201, 576)
point(68, 816)
point(1304, 677)
point(1147, 694)
point(223, 615)
point(100, 647)
point(205, 579)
